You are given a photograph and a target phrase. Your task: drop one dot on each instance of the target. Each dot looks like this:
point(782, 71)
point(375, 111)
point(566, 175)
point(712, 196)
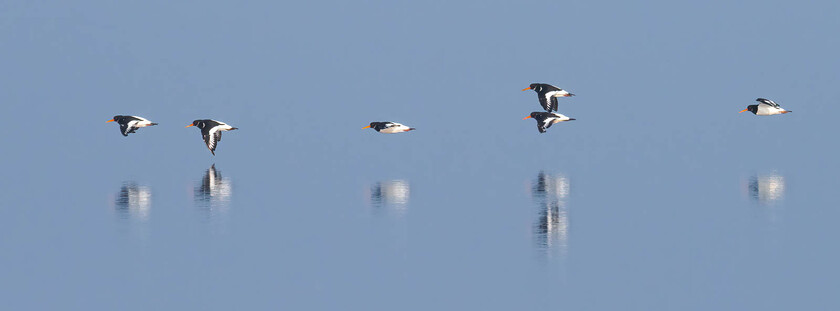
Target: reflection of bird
point(213, 187)
point(389, 127)
point(765, 107)
point(546, 119)
point(211, 132)
point(548, 187)
point(552, 226)
point(393, 194)
point(390, 192)
point(548, 95)
point(767, 188)
point(129, 124)
point(134, 201)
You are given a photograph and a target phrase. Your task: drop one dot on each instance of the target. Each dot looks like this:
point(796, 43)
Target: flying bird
point(211, 132)
point(389, 127)
point(546, 119)
point(765, 107)
point(129, 124)
point(548, 95)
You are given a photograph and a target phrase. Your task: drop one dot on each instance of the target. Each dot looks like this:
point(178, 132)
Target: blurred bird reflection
point(767, 188)
point(133, 202)
point(551, 231)
point(213, 194)
point(390, 197)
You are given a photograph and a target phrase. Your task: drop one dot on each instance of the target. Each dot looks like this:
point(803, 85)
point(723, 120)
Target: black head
point(376, 125)
point(751, 108)
point(539, 116)
point(198, 123)
point(118, 119)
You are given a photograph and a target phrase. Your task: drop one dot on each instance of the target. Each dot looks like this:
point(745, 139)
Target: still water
point(550, 238)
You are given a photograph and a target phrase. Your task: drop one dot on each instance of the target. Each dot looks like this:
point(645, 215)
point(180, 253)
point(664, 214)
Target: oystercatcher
point(211, 132)
point(548, 95)
point(129, 124)
point(389, 127)
point(546, 119)
point(765, 107)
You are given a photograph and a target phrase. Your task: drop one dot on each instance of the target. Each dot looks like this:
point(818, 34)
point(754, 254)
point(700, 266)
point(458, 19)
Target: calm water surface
point(546, 236)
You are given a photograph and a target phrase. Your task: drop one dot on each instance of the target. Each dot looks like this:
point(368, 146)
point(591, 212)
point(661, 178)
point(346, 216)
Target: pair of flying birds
point(548, 95)
point(211, 130)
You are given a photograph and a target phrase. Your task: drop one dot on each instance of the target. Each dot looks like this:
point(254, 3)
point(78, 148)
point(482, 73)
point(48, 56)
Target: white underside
point(558, 118)
point(396, 128)
point(766, 110)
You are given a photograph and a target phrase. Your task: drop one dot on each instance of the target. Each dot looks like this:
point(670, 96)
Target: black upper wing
point(767, 102)
point(548, 103)
point(217, 136)
point(124, 129)
point(211, 139)
point(541, 122)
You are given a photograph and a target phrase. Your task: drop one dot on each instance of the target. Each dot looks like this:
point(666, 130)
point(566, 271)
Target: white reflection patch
point(134, 202)
point(391, 196)
point(551, 231)
point(768, 188)
point(212, 195)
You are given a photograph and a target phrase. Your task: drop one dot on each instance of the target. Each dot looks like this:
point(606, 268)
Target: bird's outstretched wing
point(542, 125)
point(211, 139)
point(546, 101)
point(124, 129)
point(767, 102)
point(546, 94)
point(128, 127)
point(547, 122)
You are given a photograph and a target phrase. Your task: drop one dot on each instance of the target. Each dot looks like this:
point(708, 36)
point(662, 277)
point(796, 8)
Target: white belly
point(395, 129)
point(764, 110)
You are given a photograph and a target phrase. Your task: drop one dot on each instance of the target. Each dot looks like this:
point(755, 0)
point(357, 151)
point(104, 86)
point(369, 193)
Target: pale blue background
point(660, 216)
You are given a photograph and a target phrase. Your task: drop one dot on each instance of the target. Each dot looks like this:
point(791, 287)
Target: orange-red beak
point(743, 110)
point(526, 118)
point(366, 127)
point(527, 88)
point(189, 125)
point(112, 120)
